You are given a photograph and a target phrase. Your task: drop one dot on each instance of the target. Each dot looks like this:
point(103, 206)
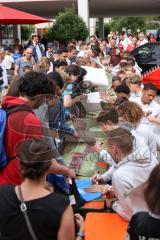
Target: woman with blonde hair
point(45, 65)
point(131, 112)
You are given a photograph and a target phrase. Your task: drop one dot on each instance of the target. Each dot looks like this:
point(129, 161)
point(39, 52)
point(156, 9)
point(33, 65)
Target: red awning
point(13, 16)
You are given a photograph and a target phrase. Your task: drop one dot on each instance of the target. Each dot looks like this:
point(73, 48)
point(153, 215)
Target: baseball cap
point(50, 45)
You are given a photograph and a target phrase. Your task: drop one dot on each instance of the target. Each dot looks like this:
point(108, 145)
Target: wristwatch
point(80, 234)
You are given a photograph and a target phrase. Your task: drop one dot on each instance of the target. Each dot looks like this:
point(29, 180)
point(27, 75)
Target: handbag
point(23, 208)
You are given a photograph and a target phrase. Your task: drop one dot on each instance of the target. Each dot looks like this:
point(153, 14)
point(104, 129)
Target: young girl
point(73, 72)
point(145, 225)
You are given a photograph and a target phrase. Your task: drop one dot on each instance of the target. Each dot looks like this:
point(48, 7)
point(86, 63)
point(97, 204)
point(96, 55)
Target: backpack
point(3, 120)
point(4, 113)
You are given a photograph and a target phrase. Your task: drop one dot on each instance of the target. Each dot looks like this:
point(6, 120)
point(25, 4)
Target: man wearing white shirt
point(124, 41)
point(150, 107)
point(142, 40)
point(37, 48)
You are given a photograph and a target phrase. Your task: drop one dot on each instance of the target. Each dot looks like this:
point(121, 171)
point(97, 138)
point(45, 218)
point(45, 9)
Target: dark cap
point(50, 45)
point(96, 49)
point(122, 89)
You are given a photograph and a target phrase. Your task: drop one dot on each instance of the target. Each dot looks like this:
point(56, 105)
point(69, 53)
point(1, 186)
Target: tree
point(68, 26)
point(132, 23)
point(107, 29)
point(49, 35)
point(26, 32)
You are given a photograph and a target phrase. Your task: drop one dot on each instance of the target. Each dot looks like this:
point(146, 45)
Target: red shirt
point(115, 56)
point(131, 48)
point(21, 125)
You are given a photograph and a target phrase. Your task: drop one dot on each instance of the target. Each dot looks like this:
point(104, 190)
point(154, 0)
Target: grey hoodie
point(140, 151)
point(127, 176)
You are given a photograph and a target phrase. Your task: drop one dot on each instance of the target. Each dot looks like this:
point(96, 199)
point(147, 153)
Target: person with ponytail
point(50, 215)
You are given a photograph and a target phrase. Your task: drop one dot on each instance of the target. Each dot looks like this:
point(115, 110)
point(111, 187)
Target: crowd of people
point(41, 88)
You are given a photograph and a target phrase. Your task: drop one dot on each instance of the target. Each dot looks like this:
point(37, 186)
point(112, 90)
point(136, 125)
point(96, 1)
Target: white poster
point(96, 75)
point(92, 103)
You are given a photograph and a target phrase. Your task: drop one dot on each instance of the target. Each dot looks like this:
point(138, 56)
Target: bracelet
point(80, 234)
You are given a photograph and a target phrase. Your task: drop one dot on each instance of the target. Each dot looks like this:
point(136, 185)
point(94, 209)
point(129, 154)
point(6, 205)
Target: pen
point(97, 177)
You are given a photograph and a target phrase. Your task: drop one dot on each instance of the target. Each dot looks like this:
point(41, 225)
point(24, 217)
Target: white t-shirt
point(7, 62)
point(144, 41)
point(154, 108)
point(135, 97)
point(4, 76)
point(125, 43)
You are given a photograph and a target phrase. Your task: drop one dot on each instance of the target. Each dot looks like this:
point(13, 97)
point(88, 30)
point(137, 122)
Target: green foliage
point(149, 18)
point(107, 29)
point(151, 22)
point(68, 26)
point(132, 23)
point(49, 35)
point(152, 26)
point(26, 32)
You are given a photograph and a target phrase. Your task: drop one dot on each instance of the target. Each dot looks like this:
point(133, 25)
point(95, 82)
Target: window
point(145, 51)
point(156, 51)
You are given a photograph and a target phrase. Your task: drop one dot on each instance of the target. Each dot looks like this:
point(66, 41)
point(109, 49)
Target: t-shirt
point(142, 42)
point(21, 63)
point(144, 226)
point(16, 56)
point(8, 60)
point(4, 76)
point(154, 108)
point(135, 97)
point(115, 56)
point(43, 213)
point(68, 91)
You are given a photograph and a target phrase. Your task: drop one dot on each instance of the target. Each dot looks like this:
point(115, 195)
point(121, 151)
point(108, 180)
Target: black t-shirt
point(144, 226)
point(44, 213)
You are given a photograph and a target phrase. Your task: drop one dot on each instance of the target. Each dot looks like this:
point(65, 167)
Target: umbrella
point(13, 16)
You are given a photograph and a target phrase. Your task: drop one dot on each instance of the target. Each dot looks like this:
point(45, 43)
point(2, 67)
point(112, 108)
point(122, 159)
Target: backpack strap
point(18, 108)
point(9, 111)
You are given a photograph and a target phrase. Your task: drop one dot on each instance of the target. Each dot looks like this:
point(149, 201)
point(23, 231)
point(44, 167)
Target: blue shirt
point(68, 91)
